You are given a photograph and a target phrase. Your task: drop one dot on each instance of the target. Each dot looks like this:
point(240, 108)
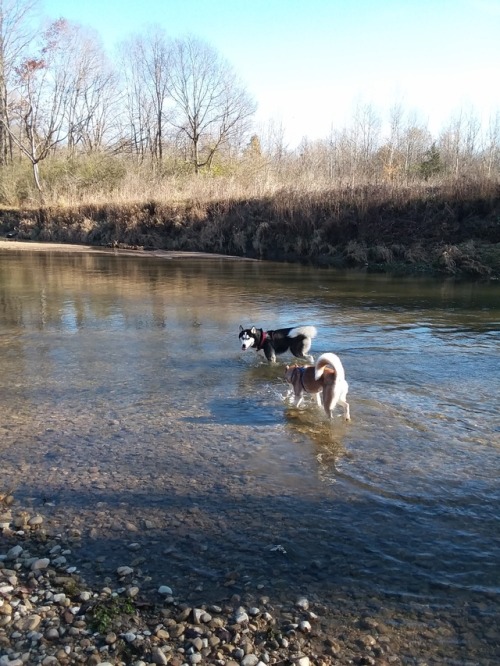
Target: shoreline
point(6, 243)
point(50, 615)
point(125, 251)
point(435, 234)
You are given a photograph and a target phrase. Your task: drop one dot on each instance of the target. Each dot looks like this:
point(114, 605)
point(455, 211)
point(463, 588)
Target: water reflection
point(326, 436)
point(123, 386)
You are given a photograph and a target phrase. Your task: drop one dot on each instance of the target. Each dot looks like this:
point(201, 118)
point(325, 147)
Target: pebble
point(303, 661)
point(303, 603)
point(57, 624)
point(41, 563)
point(158, 656)
point(124, 571)
point(305, 626)
point(14, 553)
point(241, 616)
point(35, 521)
point(250, 660)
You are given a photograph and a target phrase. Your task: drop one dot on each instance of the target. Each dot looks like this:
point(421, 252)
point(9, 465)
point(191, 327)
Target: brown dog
point(326, 377)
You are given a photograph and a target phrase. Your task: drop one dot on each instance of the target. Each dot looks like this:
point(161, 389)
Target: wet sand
point(8, 244)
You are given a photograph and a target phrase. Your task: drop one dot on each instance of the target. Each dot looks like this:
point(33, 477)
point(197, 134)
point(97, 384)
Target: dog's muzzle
point(246, 342)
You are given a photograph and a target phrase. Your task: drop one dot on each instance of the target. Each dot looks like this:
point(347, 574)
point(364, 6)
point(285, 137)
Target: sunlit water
point(130, 412)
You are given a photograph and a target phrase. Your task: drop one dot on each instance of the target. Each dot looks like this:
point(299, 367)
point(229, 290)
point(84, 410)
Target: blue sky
point(308, 63)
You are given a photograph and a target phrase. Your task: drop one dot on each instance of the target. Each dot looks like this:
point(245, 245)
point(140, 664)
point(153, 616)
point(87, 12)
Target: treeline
point(169, 119)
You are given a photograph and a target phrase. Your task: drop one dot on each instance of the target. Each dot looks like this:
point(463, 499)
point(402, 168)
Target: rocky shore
point(49, 615)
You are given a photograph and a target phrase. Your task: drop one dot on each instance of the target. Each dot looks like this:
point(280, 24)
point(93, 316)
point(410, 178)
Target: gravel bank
point(49, 616)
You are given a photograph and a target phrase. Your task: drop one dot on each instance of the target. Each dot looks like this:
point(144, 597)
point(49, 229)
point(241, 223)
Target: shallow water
point(130, 412)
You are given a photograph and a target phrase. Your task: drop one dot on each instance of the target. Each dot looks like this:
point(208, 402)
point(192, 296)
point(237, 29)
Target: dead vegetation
point(453, 229)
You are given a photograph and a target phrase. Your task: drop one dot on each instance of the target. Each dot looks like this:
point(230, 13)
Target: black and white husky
point(298, 340)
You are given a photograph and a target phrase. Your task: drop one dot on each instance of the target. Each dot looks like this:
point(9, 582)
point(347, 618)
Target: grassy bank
point(452, 229)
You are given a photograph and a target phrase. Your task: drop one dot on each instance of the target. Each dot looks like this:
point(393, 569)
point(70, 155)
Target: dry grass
point(99, 180)
point(255, 213)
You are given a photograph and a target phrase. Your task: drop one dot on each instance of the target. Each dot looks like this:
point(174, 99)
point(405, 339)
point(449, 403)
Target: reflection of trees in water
point(68, 289)
point(99, 322)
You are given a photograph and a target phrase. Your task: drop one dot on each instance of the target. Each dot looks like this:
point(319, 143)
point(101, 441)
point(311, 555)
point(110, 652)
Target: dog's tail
point(308, 331)
point(338, 392)
point(332, 361)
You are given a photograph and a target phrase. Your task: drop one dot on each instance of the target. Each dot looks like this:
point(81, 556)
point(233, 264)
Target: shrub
point(356, 253)
point(84, 173)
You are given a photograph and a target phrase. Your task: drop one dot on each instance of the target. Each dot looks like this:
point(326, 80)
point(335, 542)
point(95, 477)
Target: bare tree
point(459, 142)
point(147, 74)
point(156, 65)
point(16, 33)
point(137, 108)
point(341, 156)
point(491, 154)
point(391, 152)
point(365, 137)
point(45, 97)
point(416, 140)
point(210, 106)
point(92, 88)
point(274, 144)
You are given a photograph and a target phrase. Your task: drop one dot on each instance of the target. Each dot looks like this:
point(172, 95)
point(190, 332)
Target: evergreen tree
point(431, 164)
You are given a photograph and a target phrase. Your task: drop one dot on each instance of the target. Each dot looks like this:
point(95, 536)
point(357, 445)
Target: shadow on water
point(208, 547)
point(255, 400)
point(276, 545)
point(228, 411)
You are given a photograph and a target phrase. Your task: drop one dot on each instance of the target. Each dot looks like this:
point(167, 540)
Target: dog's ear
point(253, 330)
point(241, 328)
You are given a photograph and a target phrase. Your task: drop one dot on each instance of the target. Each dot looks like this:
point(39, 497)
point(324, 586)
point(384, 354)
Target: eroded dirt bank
point(453, 230)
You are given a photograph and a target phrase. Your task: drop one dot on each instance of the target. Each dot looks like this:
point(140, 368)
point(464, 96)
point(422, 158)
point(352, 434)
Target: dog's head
point(289, 373)
point(247, 337)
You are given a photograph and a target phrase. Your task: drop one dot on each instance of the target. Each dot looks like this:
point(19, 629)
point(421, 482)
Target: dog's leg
point(299, 397)
point(343, 402)
point(318, 398)
point(345, 405)
point(306, 346)
point(270, 355)
point(328, 401)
